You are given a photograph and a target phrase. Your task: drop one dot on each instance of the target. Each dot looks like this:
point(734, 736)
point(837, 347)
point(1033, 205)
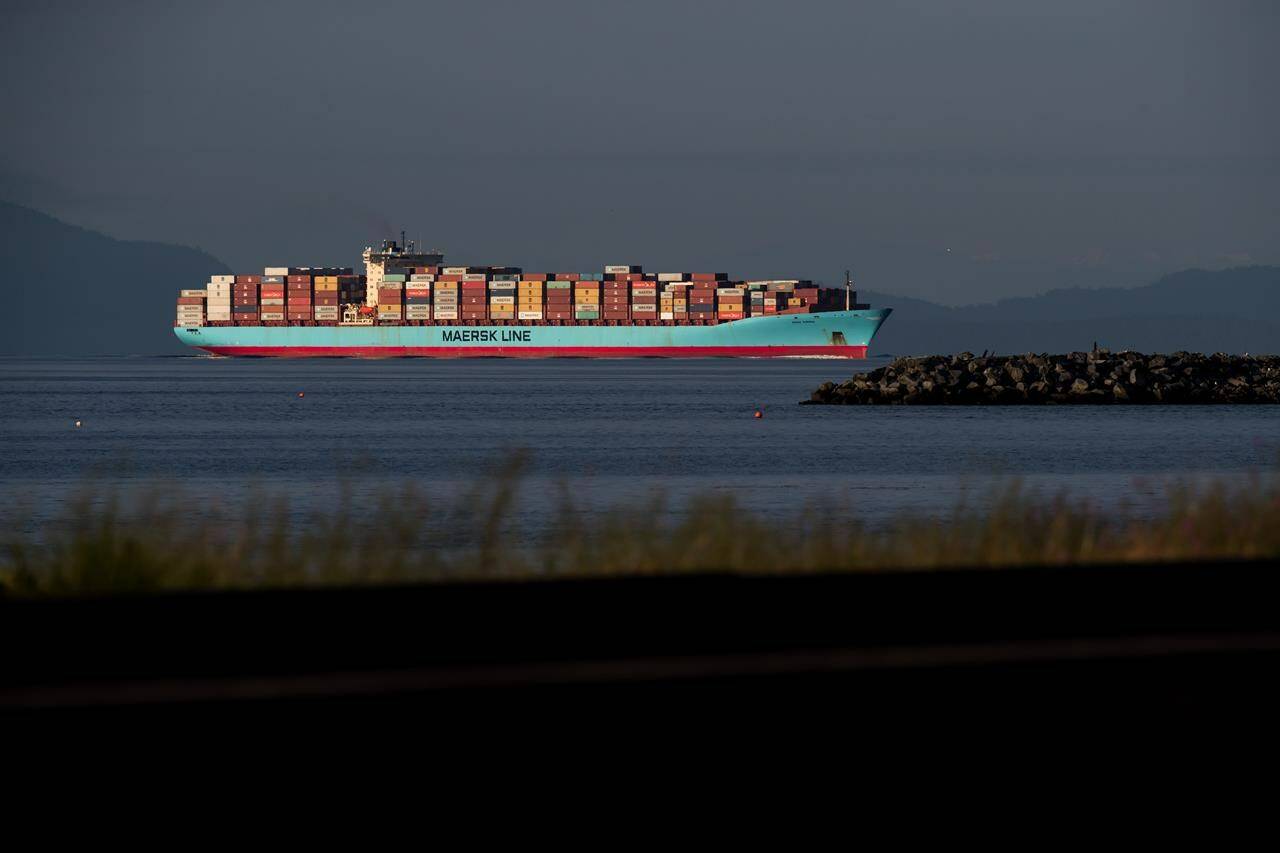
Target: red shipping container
point(449, 278)
point(241, 300)
point(474, 300)
point(708, 276)
point(300, 279)
point(190, 300)
point(248, 279)
point(566, 276)
point(533, 276)
point(474, 285)
point(550, 314)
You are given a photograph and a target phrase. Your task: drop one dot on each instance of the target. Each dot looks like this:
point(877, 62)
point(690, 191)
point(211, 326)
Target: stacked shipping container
point(417, 293)
point(391, 298)
point(622, 294)
point(190, 309)
point(218, 299)
point(244, 299)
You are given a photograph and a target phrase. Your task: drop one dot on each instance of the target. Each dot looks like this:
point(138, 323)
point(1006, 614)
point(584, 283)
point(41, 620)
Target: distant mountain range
point(1235, 310)
point(77, 292)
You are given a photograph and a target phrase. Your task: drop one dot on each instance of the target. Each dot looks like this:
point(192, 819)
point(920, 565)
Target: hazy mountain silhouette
point(77, 292)
point(1235, 310)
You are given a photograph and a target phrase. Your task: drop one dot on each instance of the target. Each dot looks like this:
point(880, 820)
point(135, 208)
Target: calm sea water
point(613, 431)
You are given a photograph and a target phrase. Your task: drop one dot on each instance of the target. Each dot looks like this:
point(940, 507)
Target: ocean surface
point(610, 432)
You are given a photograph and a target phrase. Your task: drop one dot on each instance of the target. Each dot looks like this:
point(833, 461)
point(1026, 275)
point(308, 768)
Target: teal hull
point(840, 334)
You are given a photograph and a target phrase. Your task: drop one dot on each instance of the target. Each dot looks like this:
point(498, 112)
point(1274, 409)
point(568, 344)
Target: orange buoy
point(759, 414)
point(300, 394)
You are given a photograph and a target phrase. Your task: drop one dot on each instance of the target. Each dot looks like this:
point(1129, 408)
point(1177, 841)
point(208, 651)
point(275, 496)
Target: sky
point(957, 152)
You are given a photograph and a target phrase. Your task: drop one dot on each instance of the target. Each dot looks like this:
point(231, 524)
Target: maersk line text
point(487, 335)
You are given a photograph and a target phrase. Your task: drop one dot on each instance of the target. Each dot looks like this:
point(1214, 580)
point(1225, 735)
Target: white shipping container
point(193, 293)
point(275, 271)
point(474, 276)
point(529, 315)
point(644, 309)
point(502, 285)
point(272, 315)
point(222, 279)
point(422, 276)
point(617, 268)
point(502, 300)
point(670, 276)
point(190, 324)
point(730, 291)
point(454, 271)
point(391, 285)
point(446, 314)
point(667, 315)
point(644, 291)
point(271, 300)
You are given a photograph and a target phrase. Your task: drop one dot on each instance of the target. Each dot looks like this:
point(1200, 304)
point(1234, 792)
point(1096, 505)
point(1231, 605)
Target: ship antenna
point(848, 290)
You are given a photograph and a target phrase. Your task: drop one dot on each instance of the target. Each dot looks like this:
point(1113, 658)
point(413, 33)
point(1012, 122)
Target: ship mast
point(848, 291)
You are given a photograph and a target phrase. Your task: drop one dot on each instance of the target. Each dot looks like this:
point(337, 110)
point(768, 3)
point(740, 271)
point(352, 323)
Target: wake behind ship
point(408, 303)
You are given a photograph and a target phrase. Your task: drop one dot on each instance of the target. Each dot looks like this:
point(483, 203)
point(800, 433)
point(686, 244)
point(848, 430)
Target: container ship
point(408, 303)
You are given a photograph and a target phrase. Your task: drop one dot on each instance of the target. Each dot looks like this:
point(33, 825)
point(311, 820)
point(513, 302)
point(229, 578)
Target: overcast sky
point(954, 151)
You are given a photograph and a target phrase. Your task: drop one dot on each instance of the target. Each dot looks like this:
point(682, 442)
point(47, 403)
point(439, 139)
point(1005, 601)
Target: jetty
point(1097, 377)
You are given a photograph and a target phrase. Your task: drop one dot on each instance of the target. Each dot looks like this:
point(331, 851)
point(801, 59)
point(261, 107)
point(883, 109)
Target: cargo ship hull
point(830, 334)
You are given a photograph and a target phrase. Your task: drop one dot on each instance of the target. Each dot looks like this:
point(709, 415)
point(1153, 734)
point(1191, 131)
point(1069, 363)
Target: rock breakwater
point(1096, 377)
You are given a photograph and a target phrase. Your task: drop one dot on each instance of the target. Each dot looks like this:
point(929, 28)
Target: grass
point(166, 538)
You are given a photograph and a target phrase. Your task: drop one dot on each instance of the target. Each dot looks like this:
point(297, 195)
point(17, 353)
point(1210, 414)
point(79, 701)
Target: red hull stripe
point(543, 352)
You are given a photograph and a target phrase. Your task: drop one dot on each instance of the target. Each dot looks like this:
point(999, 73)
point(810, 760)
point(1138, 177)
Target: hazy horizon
point(958, 155)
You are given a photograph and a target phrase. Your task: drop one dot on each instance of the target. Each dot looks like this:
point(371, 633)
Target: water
point(612, 431)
